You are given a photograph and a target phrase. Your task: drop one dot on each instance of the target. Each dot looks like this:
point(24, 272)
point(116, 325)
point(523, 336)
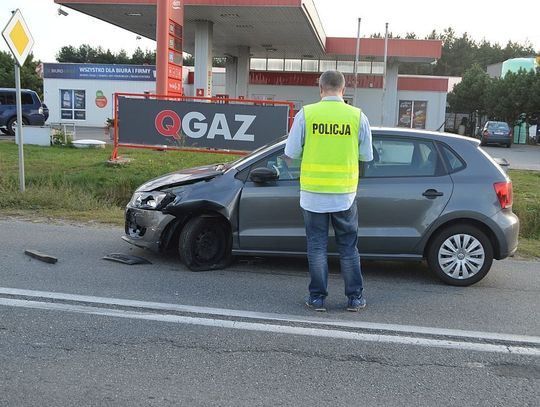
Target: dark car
point(425, 195)
point(496, 133)
point(34, 113)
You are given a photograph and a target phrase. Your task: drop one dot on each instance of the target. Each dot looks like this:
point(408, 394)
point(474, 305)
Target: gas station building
point(274, 50)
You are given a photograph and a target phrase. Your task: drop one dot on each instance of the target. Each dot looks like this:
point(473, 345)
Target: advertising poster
point(66, 115)
point(405, 111)
point(419, 114)
point(66, 99)
point(412, 114)
point(80, 99)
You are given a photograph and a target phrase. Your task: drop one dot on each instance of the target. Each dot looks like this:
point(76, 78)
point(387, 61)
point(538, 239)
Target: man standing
point(331, 138)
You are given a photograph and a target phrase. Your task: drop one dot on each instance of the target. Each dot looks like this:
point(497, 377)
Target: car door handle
point(432, 193)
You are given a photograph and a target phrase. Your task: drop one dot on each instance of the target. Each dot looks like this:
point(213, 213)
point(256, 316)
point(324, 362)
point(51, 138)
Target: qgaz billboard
point(239, 127)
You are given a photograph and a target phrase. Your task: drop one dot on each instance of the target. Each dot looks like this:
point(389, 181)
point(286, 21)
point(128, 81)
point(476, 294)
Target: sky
point(490, 20)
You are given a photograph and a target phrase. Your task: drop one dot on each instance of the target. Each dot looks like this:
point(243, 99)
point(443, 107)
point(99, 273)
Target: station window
point(327, 65)
point(258, 64)
point(364, 67)
point(345, 66)
point(72, 104)
point(293, 65)
point(275, 64)
point(310, 65)
point(377, 68)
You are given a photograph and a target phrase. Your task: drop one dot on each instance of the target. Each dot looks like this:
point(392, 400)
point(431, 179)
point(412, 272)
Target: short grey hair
point(332, 80)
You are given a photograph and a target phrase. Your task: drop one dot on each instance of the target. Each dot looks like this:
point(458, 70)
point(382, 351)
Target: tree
point(469, 95)
point(189, 60)
point(458, 54)
point(503, 99)
point(515, 50)
point(85, 54)
point(29, 76)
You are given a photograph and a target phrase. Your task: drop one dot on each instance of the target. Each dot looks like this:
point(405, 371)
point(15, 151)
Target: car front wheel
point(205, 244)
point(460, 255)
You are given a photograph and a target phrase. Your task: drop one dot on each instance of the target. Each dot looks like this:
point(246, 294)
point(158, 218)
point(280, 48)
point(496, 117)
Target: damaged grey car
point(425, 196)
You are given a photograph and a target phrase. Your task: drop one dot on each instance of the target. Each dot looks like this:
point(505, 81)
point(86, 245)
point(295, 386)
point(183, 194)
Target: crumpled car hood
point(182, 177)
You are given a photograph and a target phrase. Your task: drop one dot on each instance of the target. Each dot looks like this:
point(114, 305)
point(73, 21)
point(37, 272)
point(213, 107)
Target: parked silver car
point(425, 195)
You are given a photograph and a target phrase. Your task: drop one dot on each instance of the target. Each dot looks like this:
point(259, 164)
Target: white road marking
point(159, 306)
point(273, 328)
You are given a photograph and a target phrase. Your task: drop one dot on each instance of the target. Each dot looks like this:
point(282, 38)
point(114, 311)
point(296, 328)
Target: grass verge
point(77, 185)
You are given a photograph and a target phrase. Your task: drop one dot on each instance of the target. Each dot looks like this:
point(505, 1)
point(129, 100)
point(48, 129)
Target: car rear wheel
point(12, 125)
point(205, 244)
point(460, 255)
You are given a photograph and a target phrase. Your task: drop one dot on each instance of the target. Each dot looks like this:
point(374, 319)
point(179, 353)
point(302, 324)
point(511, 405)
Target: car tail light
point(486, 133)
point(40, 110)
point(504, 193)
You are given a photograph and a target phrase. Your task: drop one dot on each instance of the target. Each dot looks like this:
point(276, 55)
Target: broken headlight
point(147, 200)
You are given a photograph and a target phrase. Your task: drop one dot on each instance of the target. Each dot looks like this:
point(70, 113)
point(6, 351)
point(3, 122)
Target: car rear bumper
point(498, 140)
point(144, 228)
point(34, 118)
point(508, 232)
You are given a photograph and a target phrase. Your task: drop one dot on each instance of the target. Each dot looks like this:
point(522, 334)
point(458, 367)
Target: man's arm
point(295, 142)
point(365, 140)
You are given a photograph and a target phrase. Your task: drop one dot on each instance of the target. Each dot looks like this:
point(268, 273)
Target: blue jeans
point(345, 225)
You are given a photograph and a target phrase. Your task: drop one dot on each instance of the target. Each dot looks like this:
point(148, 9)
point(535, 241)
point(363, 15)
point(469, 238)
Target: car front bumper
point(144, 228)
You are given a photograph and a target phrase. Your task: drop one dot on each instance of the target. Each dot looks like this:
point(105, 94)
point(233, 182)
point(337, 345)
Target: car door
point(270, 219)
point(400, 194)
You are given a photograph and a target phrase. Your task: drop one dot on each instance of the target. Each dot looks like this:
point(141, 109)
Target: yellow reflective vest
point(330, 155)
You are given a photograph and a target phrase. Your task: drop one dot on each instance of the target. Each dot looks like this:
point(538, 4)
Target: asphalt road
point(520, 157)
point(86, 331)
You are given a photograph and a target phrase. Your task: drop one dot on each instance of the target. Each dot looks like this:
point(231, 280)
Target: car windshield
point(258, 151)
point(498, 126)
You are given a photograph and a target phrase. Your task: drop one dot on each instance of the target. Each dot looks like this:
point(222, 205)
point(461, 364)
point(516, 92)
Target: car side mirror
point(263, 174)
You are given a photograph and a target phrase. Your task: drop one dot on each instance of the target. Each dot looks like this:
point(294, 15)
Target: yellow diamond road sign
point(18, 37)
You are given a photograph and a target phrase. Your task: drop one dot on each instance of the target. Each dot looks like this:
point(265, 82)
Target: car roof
point(13, 90)
point(418, 133)
point(400, 131)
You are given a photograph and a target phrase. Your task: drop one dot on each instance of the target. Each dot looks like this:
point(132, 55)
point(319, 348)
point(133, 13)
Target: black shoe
point(316, 303)
point(356, 303)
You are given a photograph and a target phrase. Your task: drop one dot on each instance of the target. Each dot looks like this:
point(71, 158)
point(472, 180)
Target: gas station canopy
point(270, 28)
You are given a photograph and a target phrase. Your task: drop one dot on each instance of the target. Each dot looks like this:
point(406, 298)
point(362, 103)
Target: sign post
point(20, 42)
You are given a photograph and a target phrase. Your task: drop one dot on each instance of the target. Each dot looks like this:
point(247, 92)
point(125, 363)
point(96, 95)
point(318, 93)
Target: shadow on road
point(395, 271)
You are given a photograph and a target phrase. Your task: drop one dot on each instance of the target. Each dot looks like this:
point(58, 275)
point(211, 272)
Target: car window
point(453, 160)
point(397, 157)
point(497, 126)
point(26, 99)
point(7, 98)
point(288, 168)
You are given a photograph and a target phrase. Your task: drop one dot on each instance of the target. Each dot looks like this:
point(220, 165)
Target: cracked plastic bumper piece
point(143, 228)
